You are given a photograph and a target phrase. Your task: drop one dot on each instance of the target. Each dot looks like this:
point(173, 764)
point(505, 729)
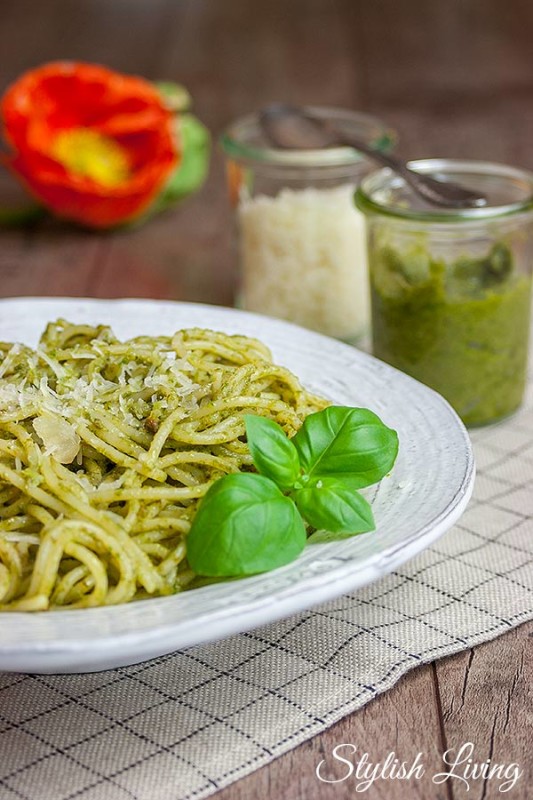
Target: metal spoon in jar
point(294, 128)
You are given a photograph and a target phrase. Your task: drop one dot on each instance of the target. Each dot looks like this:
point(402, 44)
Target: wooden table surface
point(455, 77)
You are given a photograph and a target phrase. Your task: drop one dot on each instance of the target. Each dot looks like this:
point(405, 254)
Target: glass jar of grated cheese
point(301, 240)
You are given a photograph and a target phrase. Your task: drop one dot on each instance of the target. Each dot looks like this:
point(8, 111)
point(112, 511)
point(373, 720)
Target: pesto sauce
point(461, 328)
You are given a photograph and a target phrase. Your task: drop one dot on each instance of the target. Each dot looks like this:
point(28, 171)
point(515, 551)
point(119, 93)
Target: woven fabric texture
point(182, 726)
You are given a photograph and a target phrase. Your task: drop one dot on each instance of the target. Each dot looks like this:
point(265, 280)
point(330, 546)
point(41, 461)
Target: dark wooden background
point(455, 78)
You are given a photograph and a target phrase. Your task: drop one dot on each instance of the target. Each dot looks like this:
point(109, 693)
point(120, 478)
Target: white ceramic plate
point(426, 493)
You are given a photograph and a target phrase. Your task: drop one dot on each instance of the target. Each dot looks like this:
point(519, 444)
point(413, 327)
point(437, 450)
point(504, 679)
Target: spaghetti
point(106, 449)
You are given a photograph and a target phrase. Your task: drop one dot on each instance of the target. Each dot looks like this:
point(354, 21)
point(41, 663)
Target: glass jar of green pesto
point(451, 289)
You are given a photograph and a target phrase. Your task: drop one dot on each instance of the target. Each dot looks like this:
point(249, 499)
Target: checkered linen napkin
point(184, 725)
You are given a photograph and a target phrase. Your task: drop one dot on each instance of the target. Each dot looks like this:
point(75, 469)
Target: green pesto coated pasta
point(106, 449)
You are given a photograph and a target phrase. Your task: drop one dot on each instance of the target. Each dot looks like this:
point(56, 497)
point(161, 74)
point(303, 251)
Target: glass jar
point(301, 240)
point(451, 289)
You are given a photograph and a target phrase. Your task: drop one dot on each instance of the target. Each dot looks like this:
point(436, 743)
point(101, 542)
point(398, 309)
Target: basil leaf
point(333, 504)
point(244, 525)
point(273, 453)
point(346, 441)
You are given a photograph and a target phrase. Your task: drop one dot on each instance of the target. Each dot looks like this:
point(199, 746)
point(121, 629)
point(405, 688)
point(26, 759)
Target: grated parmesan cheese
point(59, 438)
point(303, 257)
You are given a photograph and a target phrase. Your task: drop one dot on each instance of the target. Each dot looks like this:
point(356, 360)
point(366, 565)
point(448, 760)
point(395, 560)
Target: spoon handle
point(435, 191)
point(282, 124)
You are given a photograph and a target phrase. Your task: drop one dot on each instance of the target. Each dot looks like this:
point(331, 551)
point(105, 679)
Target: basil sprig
point(249, 523)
